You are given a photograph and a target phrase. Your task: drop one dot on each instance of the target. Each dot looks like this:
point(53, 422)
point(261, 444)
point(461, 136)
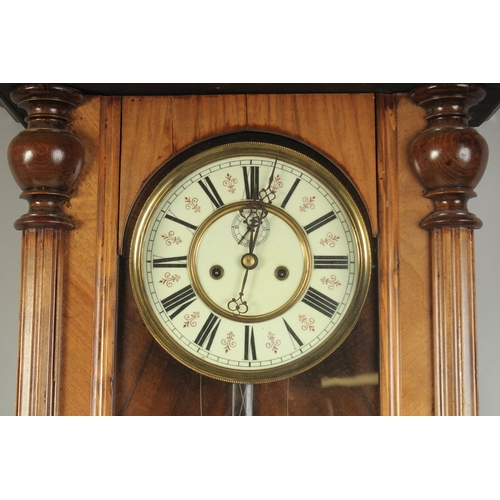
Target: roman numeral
point(289, 194)
point(331, 262)
point(208, 331)
point(249, 344)
point(323, 304)
point(179, 301)
point(180, 221)
point(211, 192)
point(178, 262)
point(292, 333)
point(319, 222)
point(251, 180)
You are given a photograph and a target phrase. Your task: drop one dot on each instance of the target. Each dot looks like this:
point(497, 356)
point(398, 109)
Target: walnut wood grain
point(341, 127)
point(208, 116)
point(45, 160)
point(80, 261)
point(389, 252)
point(454, 321)
point(406, 372)
point(40, 326)
point(151, 382)
point(106, 272)
point(151, 116)
point(449, 159)
point(77, 309)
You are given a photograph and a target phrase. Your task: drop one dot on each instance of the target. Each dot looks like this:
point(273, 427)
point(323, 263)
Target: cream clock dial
point(250, 262)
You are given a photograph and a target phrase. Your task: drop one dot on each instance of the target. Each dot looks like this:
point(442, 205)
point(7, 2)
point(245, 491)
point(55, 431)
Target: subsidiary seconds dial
point(250, 262)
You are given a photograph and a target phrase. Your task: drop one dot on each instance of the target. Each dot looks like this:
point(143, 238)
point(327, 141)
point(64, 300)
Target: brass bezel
point(313, 356)
point(248, 318)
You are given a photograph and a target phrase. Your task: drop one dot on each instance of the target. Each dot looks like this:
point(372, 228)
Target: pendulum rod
point(242, 403)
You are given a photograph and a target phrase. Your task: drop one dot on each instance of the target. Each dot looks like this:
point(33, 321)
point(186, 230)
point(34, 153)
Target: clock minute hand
point(267, 195)
point(248, 261)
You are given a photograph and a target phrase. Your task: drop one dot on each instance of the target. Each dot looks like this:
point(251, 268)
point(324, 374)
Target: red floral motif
point(330, 240)
point(332, 282)
point(273, 344)
point(307, 203)
point(276, 184)
point(189, 319)
point(192, 204)
point(307, 323)
point(228, 342)
point(169, 279)
point(171, 239)
point(230, 182)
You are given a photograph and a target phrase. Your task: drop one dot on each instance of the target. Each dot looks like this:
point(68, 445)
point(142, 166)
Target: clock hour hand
point(249, 261)
point(239, 306)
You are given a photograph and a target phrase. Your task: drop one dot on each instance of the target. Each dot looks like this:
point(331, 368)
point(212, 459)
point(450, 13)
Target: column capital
point(46, 159)
point(449, 157)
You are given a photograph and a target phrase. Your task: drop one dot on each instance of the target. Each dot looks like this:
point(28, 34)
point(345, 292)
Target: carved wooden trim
point(45, 160)
point(449, 159)
point(456, 390)
point(106, 284)
point(39, 322)
point(390, 328)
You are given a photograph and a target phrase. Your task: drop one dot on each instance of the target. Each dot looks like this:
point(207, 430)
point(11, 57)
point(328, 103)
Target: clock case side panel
point(80, 292)
point(91, 257)
point(406, 371)
point(152, 366)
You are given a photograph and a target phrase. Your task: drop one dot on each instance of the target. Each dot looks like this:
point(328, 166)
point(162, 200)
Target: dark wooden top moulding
point(478, 114)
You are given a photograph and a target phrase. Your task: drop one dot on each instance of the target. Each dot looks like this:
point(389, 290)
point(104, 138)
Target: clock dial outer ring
point(313, 356)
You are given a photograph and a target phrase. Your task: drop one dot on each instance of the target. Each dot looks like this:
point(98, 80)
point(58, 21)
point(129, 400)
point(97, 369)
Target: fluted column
point(449, 158)
point(45, 160)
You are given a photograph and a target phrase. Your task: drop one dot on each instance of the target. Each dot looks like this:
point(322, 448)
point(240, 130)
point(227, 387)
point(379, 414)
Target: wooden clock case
point(83, 163)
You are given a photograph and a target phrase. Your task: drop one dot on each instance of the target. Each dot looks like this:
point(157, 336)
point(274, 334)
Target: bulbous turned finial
point(45, 159)
point(449, 157)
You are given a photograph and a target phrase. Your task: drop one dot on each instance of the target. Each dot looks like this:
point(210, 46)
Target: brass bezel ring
point(248, 318)
point(296, 365)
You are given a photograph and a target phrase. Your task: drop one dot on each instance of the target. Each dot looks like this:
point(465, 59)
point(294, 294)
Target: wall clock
point(250, 262)
point(84, 347)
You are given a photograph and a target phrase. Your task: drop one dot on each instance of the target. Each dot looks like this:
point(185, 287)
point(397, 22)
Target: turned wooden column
point(449, 159)
point(45, 160)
